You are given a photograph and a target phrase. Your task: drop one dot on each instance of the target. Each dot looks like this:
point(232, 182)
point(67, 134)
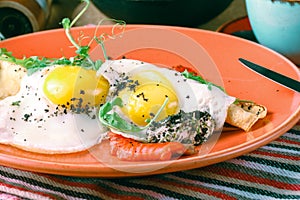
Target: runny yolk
point(66, 84)
point(147, 99)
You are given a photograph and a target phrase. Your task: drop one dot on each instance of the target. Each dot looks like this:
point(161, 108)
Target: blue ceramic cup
point(276, 24)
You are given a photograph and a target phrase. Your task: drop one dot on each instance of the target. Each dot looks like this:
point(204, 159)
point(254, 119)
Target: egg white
point(191, 94)
point(30, 121)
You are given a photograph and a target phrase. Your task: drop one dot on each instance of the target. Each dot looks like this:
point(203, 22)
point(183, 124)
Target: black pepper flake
point(143, 96)
point(27, 116)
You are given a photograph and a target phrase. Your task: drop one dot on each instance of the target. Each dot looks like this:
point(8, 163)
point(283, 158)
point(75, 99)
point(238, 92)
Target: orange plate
point(224, 50)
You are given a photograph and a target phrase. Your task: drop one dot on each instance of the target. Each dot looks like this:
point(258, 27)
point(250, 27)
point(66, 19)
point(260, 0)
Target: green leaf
point(4, 52)
point(66, 23)
point(108, 106)
point(16, 103)
point(190, 75)
point(98, 64)
point(83, 51)
point(62, 61)
point(6, 55)
point(113, 120)
point(199, 79)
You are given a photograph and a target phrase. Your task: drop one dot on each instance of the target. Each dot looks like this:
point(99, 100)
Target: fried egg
point(55, 111)
point(143, 88)
point(56, 108)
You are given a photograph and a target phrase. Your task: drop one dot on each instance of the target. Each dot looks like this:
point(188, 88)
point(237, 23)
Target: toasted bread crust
point(245, 114)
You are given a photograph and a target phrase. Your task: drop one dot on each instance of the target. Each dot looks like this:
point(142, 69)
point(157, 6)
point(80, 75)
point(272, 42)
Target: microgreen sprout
point(82, 58)
point(82, 51)
point(119, 24)
point(115, 121)
point(6, 54)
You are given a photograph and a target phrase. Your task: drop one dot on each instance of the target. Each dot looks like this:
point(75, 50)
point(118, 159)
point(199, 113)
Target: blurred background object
point(276, 24)
point(234, 10)
point(61, 9)
point(19, 17)
point(167, 12)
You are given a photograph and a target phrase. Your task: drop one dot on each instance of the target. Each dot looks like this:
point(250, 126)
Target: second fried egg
point(144, 87)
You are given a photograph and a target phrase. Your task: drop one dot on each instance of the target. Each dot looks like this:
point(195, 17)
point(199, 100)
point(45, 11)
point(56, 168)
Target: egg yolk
point(147, 99)
point(66, 84)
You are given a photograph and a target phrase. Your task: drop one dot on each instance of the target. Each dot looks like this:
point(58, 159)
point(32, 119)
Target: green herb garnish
point(82, 51)
point(115, 121)
point(82, 58)
point(237, 101)
point(199, 79)
point(16, 103)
